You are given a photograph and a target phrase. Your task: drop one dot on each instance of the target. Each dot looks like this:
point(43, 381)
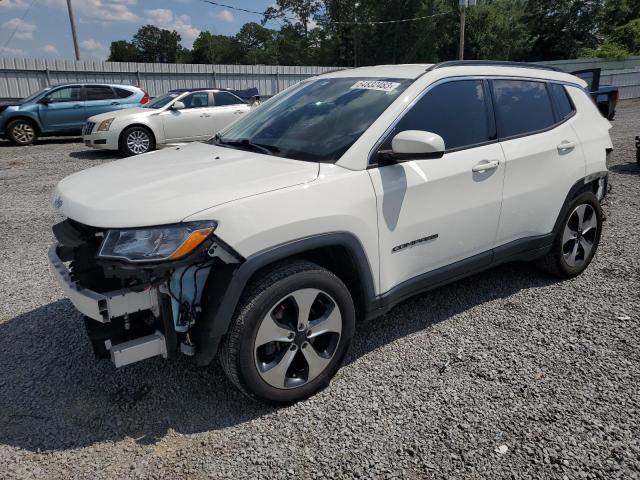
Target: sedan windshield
point(161, 101)
point(316, 121)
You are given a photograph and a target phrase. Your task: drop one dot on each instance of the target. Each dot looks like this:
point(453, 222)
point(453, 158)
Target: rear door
point(191, 123)
point(543, 155)
point(63, 109)
point(228, 108)
point(100, 99)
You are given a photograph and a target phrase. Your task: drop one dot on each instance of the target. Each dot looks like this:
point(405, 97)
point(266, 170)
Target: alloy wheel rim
point(297, 338)
point(138, 141)
point(23, 132)
point(579, 235)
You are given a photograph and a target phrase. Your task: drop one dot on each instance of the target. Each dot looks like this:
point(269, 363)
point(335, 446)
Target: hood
point(9, 103)
point(169, 185)
point(125, 112)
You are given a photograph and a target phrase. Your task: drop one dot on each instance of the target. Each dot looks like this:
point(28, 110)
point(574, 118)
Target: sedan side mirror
point(177, 105)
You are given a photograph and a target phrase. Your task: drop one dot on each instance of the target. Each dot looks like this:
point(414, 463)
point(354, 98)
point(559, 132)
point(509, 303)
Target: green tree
point(210, 48)
point(619, 12)
point(496, 31)
point(294, 12)
point(628, 36)
point(608, 50)
point(257, 43)
point(559, 29)
point(123, 51)
point(157, 45)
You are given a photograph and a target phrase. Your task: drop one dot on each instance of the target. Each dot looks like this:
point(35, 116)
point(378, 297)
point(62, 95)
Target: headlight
point(157, 243)
point(105, 124)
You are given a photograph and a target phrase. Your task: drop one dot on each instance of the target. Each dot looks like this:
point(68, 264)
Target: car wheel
point(577, 239)
point(21, 132)
point(290, 334)
point(136, 141)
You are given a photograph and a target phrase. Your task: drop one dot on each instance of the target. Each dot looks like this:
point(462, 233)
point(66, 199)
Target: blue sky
point(43, 31)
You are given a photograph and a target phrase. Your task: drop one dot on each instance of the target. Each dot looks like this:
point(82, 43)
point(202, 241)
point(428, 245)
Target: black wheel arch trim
point(219, 304)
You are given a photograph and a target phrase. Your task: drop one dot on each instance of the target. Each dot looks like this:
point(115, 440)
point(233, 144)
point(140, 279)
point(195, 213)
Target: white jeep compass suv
point(332, 201)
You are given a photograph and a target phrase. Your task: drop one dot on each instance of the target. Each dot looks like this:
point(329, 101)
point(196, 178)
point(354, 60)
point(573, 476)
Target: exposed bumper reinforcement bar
point(138, 349)
point(101, 306)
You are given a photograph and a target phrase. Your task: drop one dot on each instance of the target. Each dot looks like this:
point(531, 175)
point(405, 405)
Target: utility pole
point(73, 30)
point(355, 33)
point(463, 13)
point(463, 8)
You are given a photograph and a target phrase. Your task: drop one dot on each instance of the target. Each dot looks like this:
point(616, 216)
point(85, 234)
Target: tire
point(22, 132)
point(136, 141)
point(577, 239)
point(279, 372)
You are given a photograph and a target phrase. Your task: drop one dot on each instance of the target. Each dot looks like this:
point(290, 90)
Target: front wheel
point(21, 132)
point(577, 239)
point(290, 335)
point(136, 141)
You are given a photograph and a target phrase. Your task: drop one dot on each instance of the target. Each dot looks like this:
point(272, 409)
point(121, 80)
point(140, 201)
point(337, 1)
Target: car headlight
point(153, 244)
point(105, 124)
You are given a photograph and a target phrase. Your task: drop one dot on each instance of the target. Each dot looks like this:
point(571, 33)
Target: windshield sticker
point(376, 85)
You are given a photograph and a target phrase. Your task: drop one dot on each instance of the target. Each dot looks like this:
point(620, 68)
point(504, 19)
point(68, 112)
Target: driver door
point(190, 123)
point(434, 212)
point(63, 109)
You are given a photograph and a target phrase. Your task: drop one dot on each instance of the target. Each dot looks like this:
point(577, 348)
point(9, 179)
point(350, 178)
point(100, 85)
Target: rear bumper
point(102, 307)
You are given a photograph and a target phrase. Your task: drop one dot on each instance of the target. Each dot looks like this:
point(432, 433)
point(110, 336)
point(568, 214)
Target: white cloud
point(225, 15)
point(24, 30)
point(93, 49)
point(101, 10)
point(11, 4)
point(166, 19)
point(13, 52)
point(50, 50)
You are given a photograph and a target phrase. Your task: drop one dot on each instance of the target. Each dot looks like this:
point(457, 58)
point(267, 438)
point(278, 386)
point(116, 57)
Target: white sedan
point(176, 117)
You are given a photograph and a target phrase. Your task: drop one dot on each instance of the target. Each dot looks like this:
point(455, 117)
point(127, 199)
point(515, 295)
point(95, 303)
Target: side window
point(122, 93)
point(562, 101)
point(456, 110)
point(99, 92)
point(65, 94)
point(226, 98)
point(196, 100)
point(521, 107)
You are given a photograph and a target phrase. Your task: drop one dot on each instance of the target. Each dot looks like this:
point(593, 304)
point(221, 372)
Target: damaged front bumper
point(102, 307)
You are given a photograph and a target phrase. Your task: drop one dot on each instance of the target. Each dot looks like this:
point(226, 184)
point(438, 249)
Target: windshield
point(35, 95)
point(161, 101)
point(316, 121)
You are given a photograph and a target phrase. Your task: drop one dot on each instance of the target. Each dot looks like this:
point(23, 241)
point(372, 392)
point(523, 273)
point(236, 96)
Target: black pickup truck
point(605, 96)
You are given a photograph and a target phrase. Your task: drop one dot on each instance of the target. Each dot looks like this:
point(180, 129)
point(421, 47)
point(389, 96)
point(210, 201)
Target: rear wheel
point(136, 141)
point(21, 132)
point(290, 334)
point(577, 239)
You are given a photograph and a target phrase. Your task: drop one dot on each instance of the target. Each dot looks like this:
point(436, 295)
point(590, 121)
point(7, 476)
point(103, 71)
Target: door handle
point(77, 106)
point(566, 145)
point(115, 103)
point(486, 165)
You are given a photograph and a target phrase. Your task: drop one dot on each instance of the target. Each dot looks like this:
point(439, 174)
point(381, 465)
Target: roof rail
point(494, 63)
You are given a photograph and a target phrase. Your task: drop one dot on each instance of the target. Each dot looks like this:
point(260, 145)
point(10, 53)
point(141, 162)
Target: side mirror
point(177, 105)
point(416, 144)
point(45, 101)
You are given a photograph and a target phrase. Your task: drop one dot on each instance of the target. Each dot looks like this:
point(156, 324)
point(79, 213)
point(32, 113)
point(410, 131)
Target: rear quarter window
point(564, 107)
point(521, 107)
point(122, 93)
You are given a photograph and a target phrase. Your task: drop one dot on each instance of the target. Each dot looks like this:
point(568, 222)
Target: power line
point(381, 22)
point(18, 25)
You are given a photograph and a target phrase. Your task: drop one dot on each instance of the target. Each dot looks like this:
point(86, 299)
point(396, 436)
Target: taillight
point(145, 99)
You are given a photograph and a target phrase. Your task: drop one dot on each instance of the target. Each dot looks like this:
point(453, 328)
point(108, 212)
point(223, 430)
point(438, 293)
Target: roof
point(247, 93)
point(469, 67)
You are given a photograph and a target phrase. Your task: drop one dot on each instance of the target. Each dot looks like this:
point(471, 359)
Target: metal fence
point(20, 77)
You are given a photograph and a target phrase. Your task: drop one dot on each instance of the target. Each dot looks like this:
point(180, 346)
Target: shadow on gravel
point(54, 395)
point(45, 141)
point(91, 154)
point(626, 169)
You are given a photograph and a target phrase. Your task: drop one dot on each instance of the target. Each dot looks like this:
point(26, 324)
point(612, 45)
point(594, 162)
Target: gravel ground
point(509, 374)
